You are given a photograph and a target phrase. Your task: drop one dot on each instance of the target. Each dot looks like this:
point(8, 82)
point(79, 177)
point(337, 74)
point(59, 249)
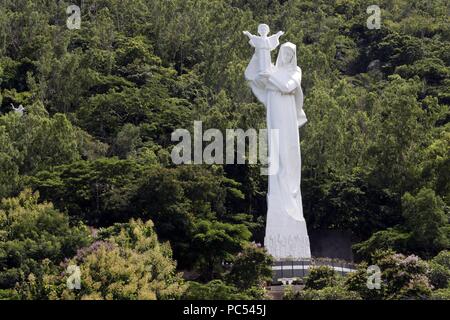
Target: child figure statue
point(263, 46)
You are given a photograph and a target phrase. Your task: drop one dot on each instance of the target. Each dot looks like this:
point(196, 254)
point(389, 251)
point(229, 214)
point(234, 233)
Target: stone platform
point(287, 272)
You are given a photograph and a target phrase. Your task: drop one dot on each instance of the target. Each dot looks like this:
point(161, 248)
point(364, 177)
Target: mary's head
point(287, 57)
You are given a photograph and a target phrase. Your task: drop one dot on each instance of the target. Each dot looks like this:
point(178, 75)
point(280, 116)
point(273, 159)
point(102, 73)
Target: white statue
point(264, 45)
point(20, 110)
point(279, 89)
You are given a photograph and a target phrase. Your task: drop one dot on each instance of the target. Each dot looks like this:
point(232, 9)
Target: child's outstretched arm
point(277, 36)
point(280, 33)
point(249, 35)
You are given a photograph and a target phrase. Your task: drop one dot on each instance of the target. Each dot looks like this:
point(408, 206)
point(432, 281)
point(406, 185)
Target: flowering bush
point(357, 282)
point(402, 277)
point(127, 262)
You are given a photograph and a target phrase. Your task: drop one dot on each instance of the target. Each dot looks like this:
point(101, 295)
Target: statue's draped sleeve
point(288, 83)
point(301, 115)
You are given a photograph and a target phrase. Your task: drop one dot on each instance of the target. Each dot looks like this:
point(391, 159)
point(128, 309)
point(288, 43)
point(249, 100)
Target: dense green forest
point(86, 176)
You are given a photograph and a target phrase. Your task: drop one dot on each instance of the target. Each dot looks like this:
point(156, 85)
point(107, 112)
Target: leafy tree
point(251, 268)
point(127, 262)
point(35, 237)
point(439, 273)
point(425, 217)
point(349, 202)
point(9, 173)
point(402, 123)
point(375, 149)
point(215, 242)
point(98, 192)
point(391, 238)
point(320, 277)
point(436, 166)
point(131, 264)
point(39, 141)
point(425, 230)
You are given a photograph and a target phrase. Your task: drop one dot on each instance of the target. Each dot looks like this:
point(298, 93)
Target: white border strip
point(300, 267)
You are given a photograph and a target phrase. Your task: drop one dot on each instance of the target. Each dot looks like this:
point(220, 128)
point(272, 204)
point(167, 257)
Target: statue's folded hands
point(287, 87)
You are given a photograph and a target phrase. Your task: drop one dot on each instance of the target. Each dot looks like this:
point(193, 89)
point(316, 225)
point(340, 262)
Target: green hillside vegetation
point(86, 176)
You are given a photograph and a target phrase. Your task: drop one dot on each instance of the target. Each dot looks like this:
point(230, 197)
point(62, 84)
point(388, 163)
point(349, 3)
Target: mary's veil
point(293, 72)
point(293, 63)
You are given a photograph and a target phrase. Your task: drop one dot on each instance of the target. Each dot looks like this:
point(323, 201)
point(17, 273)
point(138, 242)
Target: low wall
point(332, 244)
point(285, 272)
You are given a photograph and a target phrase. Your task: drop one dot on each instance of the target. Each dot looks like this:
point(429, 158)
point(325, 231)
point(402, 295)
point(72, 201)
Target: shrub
point(439, 273)
point(441, 294)
point(251, 268)
point(439, 276)
point(215, 290)
point(320, 277)
point(403, 277)
point(443, 259)
point(327, 293)
point(357, 282)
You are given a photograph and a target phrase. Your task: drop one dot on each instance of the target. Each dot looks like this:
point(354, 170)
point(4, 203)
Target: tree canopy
point(92, 149)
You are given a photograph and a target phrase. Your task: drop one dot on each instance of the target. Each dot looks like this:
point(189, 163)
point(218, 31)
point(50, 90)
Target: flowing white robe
point(286, 232)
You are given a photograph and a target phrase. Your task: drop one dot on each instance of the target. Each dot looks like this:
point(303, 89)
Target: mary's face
point(287, 56)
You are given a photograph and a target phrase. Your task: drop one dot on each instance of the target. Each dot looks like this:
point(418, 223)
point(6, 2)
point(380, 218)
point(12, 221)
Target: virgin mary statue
point(279, 89)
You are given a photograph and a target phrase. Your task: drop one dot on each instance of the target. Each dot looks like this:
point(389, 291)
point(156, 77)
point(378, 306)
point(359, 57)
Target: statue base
point(288, 242)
